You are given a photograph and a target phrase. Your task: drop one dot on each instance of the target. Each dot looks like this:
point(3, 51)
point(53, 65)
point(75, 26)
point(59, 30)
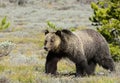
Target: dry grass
point(26, 63)
point(27, 73)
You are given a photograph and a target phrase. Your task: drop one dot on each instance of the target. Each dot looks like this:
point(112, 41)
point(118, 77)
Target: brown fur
point(85, 48)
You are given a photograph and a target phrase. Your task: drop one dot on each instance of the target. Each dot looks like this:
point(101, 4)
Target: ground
point(25, 64)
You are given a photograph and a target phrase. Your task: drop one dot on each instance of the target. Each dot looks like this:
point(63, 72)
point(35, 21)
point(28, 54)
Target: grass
point(31, 70)
point(27, 73)
point(36, 39)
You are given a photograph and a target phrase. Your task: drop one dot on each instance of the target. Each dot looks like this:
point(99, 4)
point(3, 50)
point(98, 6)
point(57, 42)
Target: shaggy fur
point(85, 48)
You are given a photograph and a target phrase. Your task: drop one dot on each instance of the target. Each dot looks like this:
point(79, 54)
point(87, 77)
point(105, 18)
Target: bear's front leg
point(79, 71)
point(51, 64)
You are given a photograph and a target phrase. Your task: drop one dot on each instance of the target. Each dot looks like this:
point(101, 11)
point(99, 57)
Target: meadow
point(26, 62)
point(26, 65)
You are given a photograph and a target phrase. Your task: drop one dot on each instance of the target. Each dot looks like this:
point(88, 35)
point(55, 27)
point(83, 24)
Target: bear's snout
point(45, 48)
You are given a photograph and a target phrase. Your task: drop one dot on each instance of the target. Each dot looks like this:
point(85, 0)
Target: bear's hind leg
point(108, 64)
point(83, 69)
point(92, 66)
point(79, 71)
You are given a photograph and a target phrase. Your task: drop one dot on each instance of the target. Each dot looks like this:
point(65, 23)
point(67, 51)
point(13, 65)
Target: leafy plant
point(115, 51)
point(4, 24)
point(6, 47)
point(53, 26)
point(107, 19)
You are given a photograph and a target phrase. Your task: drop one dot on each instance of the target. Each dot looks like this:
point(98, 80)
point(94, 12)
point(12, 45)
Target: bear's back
point(90, 36)
point(92, 41)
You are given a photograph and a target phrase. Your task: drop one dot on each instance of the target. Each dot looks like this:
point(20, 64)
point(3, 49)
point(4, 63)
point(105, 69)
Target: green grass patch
point(36, 39)
point(32, 74)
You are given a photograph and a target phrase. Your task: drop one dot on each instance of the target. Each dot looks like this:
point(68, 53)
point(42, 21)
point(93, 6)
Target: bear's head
point(52, 40)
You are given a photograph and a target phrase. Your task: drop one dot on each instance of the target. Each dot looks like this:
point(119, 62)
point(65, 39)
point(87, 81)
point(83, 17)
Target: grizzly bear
point(86, 48)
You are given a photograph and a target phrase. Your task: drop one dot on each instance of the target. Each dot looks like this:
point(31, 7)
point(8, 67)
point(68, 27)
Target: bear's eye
point(45, 41)
point(52, 40)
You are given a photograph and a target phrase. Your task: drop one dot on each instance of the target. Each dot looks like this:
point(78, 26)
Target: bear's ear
point(66, 31)
point(58, 32)
point(46, 32)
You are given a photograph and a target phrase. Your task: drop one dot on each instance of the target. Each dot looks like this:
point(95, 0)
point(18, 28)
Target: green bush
point(4, 24)
point(107, 19)
point(115, 51)
point(6, 47)
point(53, 26)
